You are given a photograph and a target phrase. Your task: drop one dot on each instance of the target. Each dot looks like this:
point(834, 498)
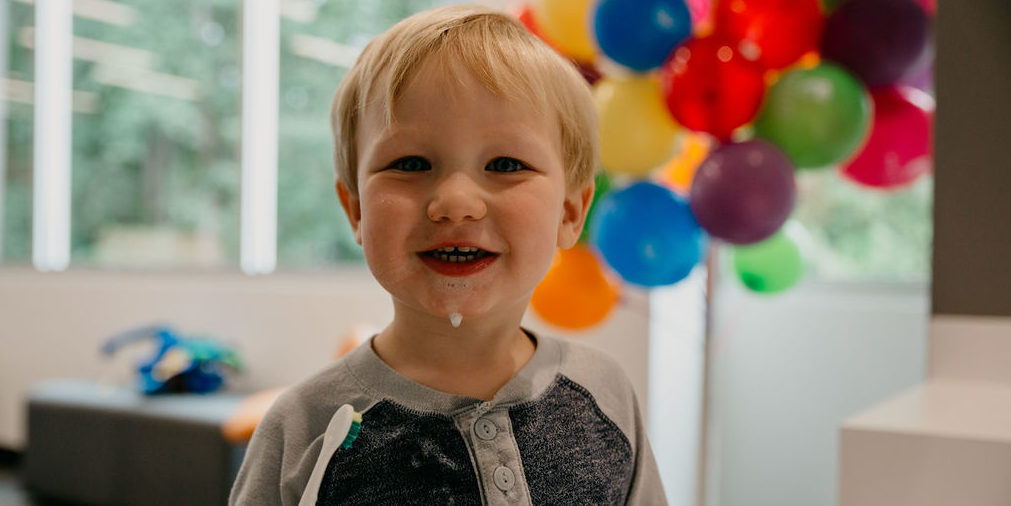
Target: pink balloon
point(898, 149)
point(700, 10)
point(928, 5)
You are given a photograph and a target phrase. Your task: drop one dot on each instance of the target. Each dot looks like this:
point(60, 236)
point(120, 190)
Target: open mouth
point(458, 260)
point(458, 254)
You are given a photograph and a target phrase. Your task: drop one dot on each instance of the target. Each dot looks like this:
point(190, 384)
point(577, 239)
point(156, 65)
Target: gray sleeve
point(279, 457)
point(259, 479)
point(646, 487)
point(599, 373)
point(287, 442)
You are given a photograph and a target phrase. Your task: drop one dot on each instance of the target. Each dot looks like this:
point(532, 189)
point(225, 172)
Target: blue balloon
point(639, 34)
point(647, 234)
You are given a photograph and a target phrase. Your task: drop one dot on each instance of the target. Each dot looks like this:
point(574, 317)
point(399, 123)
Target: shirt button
point(485, 429)
point(504, 478)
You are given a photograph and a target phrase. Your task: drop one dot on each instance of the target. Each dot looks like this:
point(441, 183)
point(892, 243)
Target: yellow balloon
point(677, 174)
point(636, 132)
point(566, 24)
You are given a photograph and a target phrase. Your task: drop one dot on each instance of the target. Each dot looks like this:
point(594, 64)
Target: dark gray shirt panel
point(402, 457)
point(572, 453)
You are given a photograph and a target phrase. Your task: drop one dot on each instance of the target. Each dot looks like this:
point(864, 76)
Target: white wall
point(286, 326)
point(788, 369)
point(676, 381)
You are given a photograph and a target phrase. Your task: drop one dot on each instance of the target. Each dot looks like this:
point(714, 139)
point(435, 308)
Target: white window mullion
point(53, 82)
point(260, 67)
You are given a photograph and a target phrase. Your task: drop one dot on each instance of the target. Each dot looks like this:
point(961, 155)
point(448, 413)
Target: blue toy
point(179, 364)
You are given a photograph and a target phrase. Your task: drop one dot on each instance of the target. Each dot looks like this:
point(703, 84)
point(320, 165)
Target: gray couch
point(113, 446)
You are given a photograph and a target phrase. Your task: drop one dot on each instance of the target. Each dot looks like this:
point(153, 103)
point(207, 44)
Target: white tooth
point(467, 249)
point(454, 259)
point(444, 258)
point(470, 257)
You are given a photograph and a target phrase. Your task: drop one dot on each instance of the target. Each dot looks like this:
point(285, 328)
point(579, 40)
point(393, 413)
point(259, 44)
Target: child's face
point(461, 167)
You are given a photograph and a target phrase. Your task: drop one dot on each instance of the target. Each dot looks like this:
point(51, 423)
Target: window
point(16, 113)
point(157, 129)
point(155, 173)
point(861, 234)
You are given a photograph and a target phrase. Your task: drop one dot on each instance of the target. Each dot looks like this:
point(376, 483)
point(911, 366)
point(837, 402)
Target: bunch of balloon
point(885, 43)
point(708, 108)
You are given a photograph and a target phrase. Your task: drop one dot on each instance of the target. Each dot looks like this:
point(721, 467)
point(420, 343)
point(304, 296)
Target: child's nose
point(457, 197)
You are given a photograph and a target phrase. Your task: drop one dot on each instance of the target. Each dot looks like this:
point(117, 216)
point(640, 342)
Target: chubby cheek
point(385, 225)
point(533, 227)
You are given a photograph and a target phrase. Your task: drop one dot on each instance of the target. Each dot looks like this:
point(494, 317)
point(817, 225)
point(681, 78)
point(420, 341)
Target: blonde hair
point(503, 55)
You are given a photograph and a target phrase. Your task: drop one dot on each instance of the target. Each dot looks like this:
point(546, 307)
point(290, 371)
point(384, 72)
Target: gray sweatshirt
point(565, 430)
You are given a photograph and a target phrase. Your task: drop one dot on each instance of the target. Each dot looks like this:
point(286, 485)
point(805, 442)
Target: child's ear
point(574, 209)
point(352, 208)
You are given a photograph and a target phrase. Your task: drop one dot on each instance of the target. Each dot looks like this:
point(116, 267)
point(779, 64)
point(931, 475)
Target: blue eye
point(505, 164)
point(411, 164)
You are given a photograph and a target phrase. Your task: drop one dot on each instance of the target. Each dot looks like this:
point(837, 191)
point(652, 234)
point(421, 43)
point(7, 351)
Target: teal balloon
point(817, 116)
point(770, 266)
point(602, 185)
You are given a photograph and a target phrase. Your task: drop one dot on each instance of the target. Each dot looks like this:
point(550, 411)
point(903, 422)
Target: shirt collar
point(383, 381)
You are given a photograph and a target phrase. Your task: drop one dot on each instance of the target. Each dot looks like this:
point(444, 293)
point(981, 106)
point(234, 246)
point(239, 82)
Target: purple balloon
point(921, 75)
point(878, 40)
point(743, 192)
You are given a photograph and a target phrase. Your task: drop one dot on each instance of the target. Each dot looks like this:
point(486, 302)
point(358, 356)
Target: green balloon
point(831, 5)
point(817, 116)
point(770, 266)
point(602, 181)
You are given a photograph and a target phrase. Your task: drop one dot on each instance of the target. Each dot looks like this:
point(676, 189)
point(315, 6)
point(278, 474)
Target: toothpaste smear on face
point(458, 285)
point(458, 289)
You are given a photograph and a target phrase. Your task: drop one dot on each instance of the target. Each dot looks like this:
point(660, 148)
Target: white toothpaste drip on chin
point(459, 288)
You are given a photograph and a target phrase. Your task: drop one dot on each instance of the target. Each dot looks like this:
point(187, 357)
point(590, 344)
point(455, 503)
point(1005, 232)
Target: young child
point(465, 156)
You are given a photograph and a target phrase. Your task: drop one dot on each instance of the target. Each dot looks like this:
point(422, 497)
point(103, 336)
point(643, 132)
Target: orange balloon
point(576, 293)
point(677, 174)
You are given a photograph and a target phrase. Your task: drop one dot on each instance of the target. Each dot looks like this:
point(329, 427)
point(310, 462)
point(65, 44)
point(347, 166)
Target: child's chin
point(470, 309)
point(445, 311)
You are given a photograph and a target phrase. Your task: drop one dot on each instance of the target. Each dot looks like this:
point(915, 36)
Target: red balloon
point(711, 88)
point(774, 33)
point(898, 149)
